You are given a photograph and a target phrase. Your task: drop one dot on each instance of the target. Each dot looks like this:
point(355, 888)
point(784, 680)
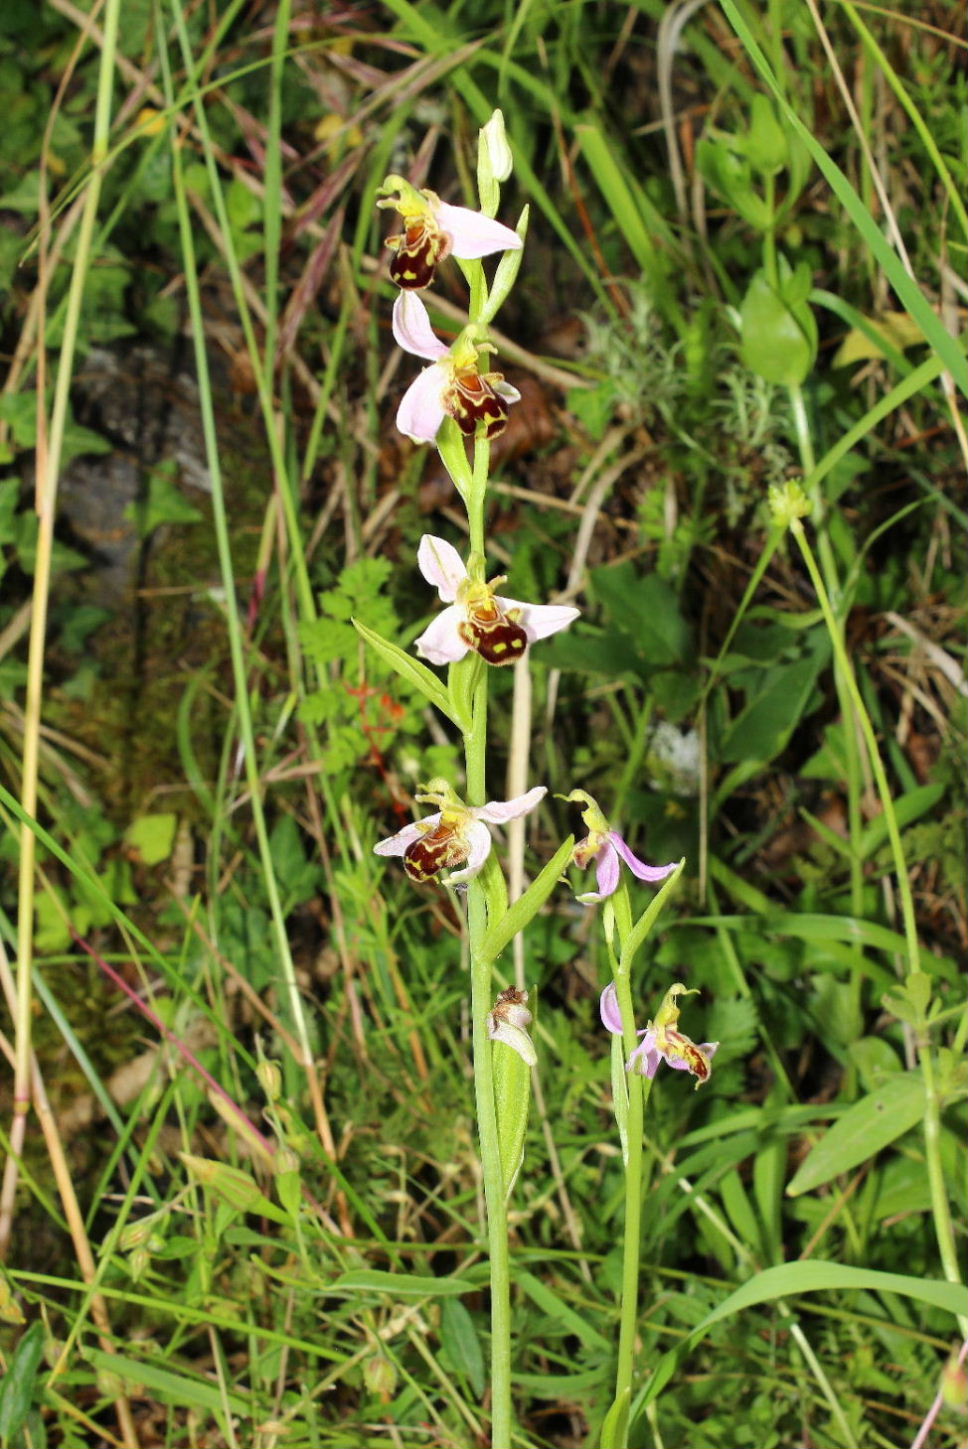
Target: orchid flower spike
point(508, 1022)
point(452, 386)
point(498, 629)
point(661, 1040)
point(605, 847)
point(433, 230)
point(454, 834)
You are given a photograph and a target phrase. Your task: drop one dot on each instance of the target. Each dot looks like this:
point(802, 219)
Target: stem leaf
point(615, 1427)
point(512, 1098)
point(500, 932)
point(642, 927)
point(413, 671)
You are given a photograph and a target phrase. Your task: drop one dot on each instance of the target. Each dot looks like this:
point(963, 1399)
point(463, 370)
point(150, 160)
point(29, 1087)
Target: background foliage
point(291, 1255)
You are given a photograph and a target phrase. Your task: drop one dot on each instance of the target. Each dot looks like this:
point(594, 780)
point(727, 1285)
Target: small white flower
point(452, 386)
point(498, 629)
point(433, 230)
point(456, 833)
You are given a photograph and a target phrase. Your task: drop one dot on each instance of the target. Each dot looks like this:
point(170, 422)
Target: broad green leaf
point(399, 1285)
point(874, 1122)
point(645, 607)
point(790, 1279)
point(165, 503)
point(460, 1340)
point(151, 837)
point(415, 672)
point(764, 726)
point(558, 1310)
point(526, 907)
point(779, 335)
point(17, 1388)
point(172, 1388)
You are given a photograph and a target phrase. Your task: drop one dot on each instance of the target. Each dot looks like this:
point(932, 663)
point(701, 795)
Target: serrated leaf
point(526, 907)
point(415, 672)
point(869, 1125)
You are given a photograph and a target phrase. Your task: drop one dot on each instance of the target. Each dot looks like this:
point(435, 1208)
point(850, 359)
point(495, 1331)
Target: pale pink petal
point(606, 870)
point(645, 1059)
point(512, 1036)
point(609, 1010)
point(397, 844)
point(421, 409)
point(412, 330)
point(474, 235)
point(478, 839)
point(507, 391)
point(540, 620)
point(440, 641)
point(498, 811)
point(441, 565)
point(639, 867)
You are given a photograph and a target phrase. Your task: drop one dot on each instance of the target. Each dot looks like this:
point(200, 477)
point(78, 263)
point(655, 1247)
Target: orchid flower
point(661, 1040)
point(452, 386)
point(454, 834)
point(433, 230)
point(508, 1022)
point(498, 629)
point(605, 847)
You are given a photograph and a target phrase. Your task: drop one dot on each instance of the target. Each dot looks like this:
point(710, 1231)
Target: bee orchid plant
point(456, 399)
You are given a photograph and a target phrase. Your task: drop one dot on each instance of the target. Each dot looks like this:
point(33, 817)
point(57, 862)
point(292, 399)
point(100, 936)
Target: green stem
point(638, 1093)
point(851, 749)
point(932, 1113)
point(475, 751)
point(47, 487)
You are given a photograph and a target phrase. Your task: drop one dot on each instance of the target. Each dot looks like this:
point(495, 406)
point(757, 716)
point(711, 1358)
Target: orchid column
point(452, 402)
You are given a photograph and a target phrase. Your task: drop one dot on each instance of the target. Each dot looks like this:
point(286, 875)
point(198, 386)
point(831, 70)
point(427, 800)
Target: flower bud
point(270, 1079)
point(494, 144)
point(954, 1385)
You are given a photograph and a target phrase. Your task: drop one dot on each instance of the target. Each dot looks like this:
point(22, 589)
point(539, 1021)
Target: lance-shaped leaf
point(642, 927)
point(874, 1122)
point(526, 907)
point(414, 672)
point(615, 1427)
point(506, 274)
